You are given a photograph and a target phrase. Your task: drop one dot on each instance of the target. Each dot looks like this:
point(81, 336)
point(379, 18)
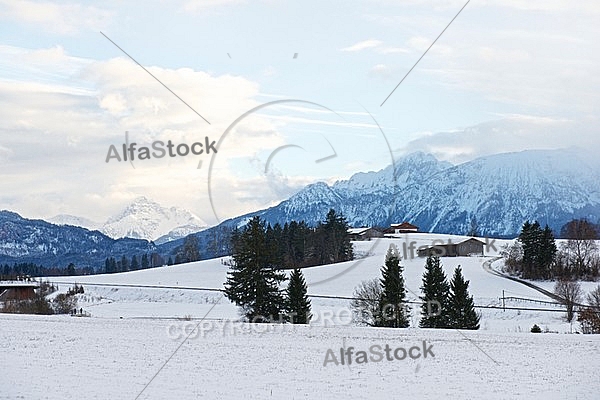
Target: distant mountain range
point(40, 242)
point(493, 195)
point(142, 219)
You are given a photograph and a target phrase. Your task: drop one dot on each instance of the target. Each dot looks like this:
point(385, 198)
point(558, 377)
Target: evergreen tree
point(547, 252)
point(170, 261)
point(134, 263)
point(189, 251)
point(539, 251)
point(71, 269)
point(333, 240)
point(145, 263)
point(393, 313)
point(461, 309)
point(124, 264)
point(435, 295)
point(253, 280)
point(297, 302)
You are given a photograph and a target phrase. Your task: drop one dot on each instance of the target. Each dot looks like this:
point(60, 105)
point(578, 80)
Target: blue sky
point(507, 75)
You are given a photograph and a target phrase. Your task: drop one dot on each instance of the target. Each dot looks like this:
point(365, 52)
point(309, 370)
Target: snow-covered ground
point(134, 331)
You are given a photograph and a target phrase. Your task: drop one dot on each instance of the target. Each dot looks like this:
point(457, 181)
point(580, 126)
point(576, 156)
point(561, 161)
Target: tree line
point(535, 254)
point(261, 252)
point(12, 272)
point(382, 302)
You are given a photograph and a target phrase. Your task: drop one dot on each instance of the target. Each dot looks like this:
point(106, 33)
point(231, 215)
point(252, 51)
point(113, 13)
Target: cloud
point(511, 133)
point(63, 19)
point(376, 45)
point(56, 132)
point(363, 45)
point(202, 5)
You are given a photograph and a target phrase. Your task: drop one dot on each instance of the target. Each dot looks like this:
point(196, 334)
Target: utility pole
point(503, 309)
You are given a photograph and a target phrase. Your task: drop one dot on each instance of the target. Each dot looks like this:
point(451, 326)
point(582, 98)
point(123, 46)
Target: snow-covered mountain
point(146, 219)
point(494, 194)
point(43, 243)
point(72, 220)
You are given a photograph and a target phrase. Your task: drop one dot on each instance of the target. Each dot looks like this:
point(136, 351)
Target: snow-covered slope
point(331, 280)
point(175, 342)
point(146, 219)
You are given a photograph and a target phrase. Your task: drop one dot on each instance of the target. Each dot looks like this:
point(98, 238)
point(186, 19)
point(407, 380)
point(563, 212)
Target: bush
point(536, 329)
point(589, 320)
point(64, 304)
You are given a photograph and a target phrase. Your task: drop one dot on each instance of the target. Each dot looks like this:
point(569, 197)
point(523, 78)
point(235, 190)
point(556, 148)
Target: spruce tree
point(461, 309)
point(145, 263)
point(435, 295)
point(134, 263)
point(297, 302)
point(393, 313)
point(253, 280)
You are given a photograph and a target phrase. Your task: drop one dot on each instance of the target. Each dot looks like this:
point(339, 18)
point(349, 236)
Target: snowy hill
point(495, 194)
point(146, 219)
point(133, 330)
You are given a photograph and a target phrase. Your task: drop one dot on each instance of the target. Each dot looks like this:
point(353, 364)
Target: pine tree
point(547, 252)
point(145, 263)
point(124, 264)
point(393, 313)
point(461, 309)
point(435, 295)
point(297, 302)
point(134, 263)
point(333, 240)
point(189, 251)
point(253, 280)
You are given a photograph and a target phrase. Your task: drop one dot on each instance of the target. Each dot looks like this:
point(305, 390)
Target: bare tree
point(593, 298)
point(589, 317)
point(581, 247)
point(570, 293)
point(365, 305)
point(513, 256)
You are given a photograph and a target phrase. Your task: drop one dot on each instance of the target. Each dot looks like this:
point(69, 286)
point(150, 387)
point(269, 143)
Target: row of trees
point(382, 302)
point(11, 272)
point(535, 254)
point(297, 245)
point(253, 282)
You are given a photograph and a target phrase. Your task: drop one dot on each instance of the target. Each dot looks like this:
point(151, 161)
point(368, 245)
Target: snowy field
point(134, 331)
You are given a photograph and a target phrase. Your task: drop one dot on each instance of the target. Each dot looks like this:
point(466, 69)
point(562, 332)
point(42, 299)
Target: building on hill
point(359, 234)
point(404, 227)
point(468, 247)
point(17, 290)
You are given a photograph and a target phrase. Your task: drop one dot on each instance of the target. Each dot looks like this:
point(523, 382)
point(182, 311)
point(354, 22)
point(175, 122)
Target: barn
point(360, 234)
point(17, 290)
point(468, 247)
point(404, 227)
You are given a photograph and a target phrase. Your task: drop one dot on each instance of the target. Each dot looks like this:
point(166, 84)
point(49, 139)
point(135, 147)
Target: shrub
point(536, 329)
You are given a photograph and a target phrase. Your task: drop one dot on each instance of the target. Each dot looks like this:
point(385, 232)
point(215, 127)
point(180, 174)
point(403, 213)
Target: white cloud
point(64, 19)
point(363, 45)
point(376, 45)
point(511, 133)
point(202, 5)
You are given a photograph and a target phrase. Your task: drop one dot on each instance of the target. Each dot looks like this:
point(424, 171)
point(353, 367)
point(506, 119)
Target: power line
point(317, 296)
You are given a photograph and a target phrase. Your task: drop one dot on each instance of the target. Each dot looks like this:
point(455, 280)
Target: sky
point(290, 93)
